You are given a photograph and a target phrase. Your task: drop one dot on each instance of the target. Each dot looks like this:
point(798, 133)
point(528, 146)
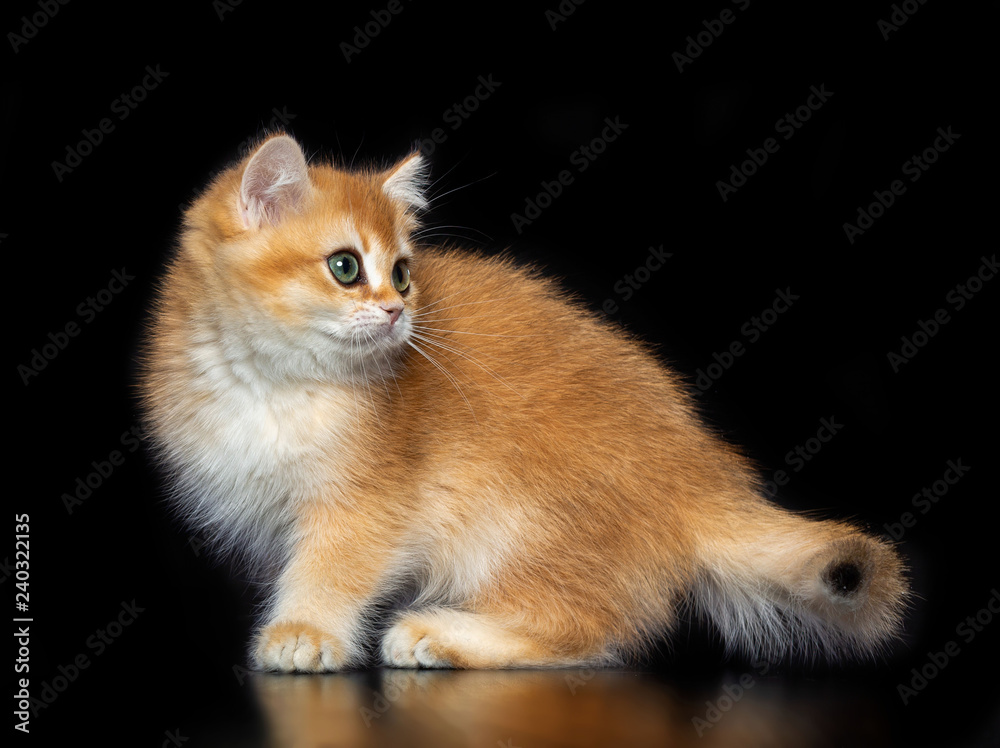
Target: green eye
point(400, 277)
point(344, 266)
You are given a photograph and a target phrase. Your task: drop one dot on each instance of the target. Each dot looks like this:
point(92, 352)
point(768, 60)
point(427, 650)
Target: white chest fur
point(245, 456)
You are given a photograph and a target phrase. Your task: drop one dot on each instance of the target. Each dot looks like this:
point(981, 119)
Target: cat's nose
point(393, 310)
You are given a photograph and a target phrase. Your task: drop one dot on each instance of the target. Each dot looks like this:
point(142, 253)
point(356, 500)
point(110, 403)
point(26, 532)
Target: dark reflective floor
point(562, 708)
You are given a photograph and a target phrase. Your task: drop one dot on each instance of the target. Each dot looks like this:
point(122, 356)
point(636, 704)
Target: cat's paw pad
point(297, 647)
point(414, 643)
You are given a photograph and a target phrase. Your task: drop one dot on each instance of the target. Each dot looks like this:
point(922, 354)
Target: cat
point(368, 414)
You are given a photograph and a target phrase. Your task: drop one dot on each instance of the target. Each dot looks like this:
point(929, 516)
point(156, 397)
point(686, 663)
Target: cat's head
point(311, 267)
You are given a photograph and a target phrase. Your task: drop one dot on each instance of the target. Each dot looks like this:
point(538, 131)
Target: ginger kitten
point(371, 415)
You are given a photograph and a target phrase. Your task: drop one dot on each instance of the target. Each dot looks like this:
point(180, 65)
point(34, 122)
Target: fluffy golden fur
point(537, 478)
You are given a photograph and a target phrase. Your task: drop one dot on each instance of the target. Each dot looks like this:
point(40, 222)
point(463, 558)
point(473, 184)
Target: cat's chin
point(379, 340)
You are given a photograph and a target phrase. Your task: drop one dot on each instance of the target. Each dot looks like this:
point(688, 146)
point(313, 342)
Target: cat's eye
point(400, 277)
point(345, 267)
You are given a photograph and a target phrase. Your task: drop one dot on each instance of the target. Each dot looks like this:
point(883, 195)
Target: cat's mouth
point(382, 332)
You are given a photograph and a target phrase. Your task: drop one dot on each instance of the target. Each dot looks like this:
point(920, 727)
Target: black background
point(228, 73)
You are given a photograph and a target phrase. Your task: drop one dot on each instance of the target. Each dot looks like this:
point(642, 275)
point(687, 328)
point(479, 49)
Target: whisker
point(381, 374)
point(468, 233)
point(422, 328)
point(371, 399)
point(445, 234)
point(447, 375)
point(354, 386)
point(441, 178)
point(427, 229)
point(445, 319)
point(443, 298)
point(451, 341)
point(388, 364)
point(455, 306)
point(472, 359)
point(462, 187)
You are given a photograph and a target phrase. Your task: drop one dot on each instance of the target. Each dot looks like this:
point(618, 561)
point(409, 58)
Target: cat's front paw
point(297, 647)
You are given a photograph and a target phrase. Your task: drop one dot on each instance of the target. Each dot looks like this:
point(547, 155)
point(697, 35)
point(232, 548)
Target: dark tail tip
point(843, 578)
point(863, 592)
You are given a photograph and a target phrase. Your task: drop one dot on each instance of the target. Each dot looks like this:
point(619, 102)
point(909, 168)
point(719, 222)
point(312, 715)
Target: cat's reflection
point(527, 709)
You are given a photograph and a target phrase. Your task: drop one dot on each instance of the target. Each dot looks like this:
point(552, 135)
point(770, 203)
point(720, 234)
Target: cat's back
point(506, 359)
point(503, 317)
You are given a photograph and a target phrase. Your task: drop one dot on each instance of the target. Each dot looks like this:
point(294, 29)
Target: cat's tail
point(777, 584)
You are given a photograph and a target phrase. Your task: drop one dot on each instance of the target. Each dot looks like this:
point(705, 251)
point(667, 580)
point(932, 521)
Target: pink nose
point(393, 310)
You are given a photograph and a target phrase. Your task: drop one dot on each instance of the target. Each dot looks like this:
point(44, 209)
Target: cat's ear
point(407, 181)
point(275, 183)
